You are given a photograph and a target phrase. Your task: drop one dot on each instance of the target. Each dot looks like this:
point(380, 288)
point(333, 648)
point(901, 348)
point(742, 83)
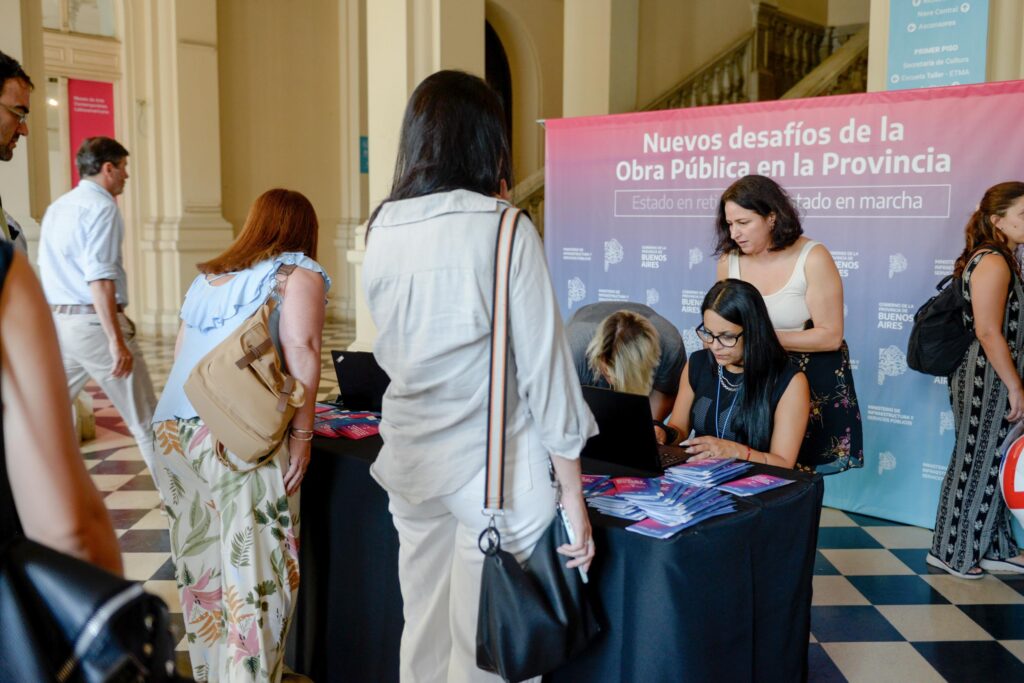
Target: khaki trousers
point(439, 566)
point(85, 351)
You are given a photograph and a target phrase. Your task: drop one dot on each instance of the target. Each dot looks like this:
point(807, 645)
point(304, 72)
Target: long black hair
point(453, 137)
point(765, 197)
point(764, 359)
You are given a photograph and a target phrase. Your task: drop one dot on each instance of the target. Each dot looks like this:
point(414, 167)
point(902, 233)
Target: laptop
point(360, 380)
point(627, 432)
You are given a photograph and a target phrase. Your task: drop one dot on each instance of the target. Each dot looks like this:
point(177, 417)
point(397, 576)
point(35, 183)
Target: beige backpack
point(241, 393)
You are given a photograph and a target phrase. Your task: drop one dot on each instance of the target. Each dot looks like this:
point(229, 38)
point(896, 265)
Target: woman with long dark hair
point(740, 394)
point(760, 241)
point(234, 532)
point(972, 525)
point(428, 276)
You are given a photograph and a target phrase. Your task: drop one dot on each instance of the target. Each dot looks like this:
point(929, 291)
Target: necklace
point(718, 395)
point(726, 383)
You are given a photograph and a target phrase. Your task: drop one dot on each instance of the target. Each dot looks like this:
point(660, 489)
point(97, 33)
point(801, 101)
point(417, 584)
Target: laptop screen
point(626, 430)
point(361, 381)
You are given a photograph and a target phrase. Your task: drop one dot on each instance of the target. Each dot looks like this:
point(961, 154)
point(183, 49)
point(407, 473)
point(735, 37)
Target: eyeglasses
point(726, 339)
point(22, 115)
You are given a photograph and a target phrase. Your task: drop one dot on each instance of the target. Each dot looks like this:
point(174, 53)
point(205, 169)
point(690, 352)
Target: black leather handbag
point(65, 620)
point(533, 617)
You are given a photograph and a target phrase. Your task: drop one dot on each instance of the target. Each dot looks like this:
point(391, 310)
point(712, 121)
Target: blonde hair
point(625, 350)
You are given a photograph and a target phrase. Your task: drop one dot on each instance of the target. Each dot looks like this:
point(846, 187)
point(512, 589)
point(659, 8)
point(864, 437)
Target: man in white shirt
point(15, 88)
point(81, 267)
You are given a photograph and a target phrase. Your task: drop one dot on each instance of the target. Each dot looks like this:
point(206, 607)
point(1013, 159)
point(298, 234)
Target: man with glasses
point(81, 267)
point(15, 88)
point(628, 347)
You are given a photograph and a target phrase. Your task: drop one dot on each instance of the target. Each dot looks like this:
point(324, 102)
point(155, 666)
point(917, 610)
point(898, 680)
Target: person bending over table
point(760, 241)
point(740, 394)
point(629, 348)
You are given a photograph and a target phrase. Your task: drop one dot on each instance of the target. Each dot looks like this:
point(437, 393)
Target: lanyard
point(728, 414)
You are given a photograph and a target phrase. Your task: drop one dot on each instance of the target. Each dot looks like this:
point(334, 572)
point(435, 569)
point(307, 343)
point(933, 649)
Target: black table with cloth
point(727, 600)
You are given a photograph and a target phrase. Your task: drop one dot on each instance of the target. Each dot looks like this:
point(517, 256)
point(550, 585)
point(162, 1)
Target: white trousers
point(85, 350)
point(439, 567)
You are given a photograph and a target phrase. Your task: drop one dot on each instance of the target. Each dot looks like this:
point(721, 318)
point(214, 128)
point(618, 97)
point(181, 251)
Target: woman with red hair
point(233, 531)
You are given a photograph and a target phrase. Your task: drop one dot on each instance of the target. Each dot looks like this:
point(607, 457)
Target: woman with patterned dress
point(972, 525)
point(760, 241)
point(234, 530)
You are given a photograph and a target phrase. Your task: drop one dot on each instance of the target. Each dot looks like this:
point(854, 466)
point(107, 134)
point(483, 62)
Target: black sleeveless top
point(716, 402)
point(10, 526)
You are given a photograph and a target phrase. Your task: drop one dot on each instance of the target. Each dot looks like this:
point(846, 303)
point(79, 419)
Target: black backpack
point(939, 339)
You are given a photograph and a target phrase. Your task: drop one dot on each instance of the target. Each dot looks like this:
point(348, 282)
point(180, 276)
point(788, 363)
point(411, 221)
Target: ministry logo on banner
point(946, 422)
point(653, 297)
point(691, 341)
point(577, 291)
point(897, 264)
point(886, 461)
point(613, 253)
point(892, 362)
point(696, 257)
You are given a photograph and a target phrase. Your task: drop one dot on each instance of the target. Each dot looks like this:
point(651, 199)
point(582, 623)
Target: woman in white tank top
point(760, 241)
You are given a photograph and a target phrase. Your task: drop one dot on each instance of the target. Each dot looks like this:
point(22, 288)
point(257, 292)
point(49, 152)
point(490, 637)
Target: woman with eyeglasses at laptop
point(740, 395)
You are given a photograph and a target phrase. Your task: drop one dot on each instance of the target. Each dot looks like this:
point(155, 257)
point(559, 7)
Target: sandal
point(939, 564)
point(1002, 566)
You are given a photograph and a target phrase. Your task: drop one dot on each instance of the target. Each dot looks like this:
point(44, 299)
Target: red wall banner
point(90, 113)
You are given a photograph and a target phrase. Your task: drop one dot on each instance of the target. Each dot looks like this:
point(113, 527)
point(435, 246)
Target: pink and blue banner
point(885, 180)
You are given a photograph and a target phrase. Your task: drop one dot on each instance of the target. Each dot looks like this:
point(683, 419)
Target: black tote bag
point(534, 617)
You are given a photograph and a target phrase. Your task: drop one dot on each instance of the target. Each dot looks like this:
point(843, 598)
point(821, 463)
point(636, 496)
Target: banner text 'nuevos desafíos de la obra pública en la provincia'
point(886, 181)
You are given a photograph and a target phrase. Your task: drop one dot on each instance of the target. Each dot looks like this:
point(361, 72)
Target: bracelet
point(298, 438)
point(301, 431)
point(748, 454)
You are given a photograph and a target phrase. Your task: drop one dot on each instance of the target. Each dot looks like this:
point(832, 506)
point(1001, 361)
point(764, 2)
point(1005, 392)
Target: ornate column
point(439, 34)
point(173, 133)
point(353, 189)
point(600, 57)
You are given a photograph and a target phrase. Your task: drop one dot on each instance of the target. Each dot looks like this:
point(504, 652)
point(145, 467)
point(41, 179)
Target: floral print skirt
point(834, 441)
point(234, 546)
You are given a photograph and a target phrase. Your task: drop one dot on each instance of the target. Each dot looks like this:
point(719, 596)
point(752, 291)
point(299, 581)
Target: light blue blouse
point(210, 313)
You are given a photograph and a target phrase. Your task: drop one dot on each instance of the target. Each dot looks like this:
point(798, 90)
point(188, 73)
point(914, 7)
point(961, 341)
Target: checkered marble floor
point(879, 613)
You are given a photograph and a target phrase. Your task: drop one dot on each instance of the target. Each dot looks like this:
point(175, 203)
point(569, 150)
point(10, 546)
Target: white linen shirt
point(428, 276)
point(80, 241)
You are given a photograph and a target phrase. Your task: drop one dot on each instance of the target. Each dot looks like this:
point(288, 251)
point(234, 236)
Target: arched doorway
point(498, 73)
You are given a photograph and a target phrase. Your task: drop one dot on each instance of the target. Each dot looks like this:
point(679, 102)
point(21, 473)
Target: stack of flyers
point(334, 422)
point(655, 529)
point(757, 483)
point(661, 505)
point(637, 488)
point(606, 497)
point(678, 503)
point(616, 507)
point(710, 472)
point(596, 483)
